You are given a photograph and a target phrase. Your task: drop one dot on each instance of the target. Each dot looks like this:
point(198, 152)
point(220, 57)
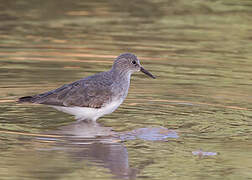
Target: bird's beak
point(147, 72)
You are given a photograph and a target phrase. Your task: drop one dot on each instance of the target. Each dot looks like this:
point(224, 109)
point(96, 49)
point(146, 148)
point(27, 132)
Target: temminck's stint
point(93, 96)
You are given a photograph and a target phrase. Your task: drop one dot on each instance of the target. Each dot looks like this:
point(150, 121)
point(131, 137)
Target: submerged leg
point(83, 119)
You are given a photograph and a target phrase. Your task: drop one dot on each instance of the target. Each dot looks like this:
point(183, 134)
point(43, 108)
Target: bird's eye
point(133, 62)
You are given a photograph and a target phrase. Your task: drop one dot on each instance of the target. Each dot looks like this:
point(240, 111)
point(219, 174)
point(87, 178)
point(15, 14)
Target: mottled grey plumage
point(93, 92)
point(89, 92)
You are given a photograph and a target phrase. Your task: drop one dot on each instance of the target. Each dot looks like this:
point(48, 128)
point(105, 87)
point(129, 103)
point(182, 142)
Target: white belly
point(85, 113)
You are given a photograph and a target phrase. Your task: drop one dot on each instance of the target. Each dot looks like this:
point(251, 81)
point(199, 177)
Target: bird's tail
point(24, 99)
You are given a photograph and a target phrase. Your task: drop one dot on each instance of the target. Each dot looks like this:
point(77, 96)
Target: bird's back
point(93, 91)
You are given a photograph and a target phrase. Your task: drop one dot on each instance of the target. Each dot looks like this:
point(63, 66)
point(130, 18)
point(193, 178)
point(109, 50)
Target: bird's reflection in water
point(84, 130)
point(95, 143)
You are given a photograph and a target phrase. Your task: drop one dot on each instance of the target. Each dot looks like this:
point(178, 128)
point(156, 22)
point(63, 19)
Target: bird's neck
point(121, 75)
point(121, 82)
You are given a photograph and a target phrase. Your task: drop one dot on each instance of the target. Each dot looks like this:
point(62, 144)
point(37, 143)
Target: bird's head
point(128, 62)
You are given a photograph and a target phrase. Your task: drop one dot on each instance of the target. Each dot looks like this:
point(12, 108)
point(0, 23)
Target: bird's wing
point(82, 93)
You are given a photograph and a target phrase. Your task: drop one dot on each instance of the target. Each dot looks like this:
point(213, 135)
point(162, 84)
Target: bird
point(94, 96)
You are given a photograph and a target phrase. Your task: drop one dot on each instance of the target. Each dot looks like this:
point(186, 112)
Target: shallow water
point(201, 53)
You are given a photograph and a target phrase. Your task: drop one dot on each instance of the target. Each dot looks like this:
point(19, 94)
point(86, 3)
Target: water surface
point(201, 53)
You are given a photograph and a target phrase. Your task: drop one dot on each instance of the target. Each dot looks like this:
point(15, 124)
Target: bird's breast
point(86, 113)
